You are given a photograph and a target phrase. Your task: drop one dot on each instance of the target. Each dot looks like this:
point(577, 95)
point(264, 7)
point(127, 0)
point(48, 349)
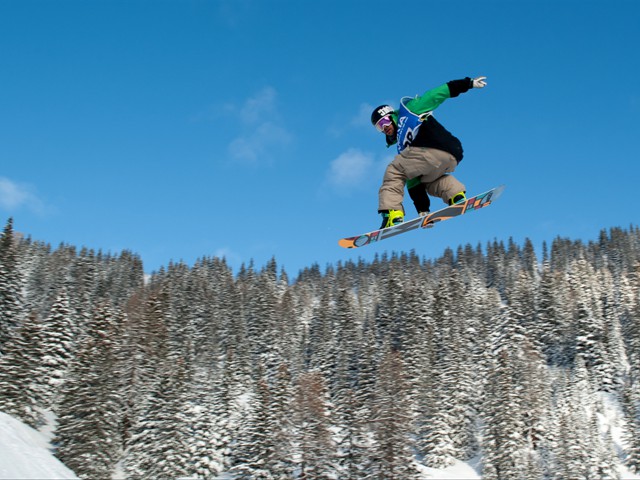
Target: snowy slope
point(458, 471)
point(610, 420)
point(25, 453)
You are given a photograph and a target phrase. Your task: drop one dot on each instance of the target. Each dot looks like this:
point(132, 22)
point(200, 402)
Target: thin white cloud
point(363, 116)
point(258, 145)
point(350, 169)
point(14, 195)
point(232, 258)
point(260, 105)
point(263, 132)
point(360, 120)
point(233, 12)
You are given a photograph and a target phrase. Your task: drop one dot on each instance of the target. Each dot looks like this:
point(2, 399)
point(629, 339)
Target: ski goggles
point(383, 123)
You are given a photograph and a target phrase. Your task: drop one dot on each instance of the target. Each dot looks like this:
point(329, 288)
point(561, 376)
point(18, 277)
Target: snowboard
point(470, 205)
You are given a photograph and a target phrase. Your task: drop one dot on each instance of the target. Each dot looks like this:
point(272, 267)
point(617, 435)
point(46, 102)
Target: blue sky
point(240, 128)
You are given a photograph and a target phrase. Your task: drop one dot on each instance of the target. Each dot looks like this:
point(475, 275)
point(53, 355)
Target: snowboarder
point(427, 152)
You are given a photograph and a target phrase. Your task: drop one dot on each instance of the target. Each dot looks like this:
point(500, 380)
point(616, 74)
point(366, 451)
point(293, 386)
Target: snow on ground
point(458, 471)
point(610, 421)
point(25, 453)
point(625, 474)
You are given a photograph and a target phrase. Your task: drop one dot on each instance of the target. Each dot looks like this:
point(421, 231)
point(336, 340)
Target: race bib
point(408, 124)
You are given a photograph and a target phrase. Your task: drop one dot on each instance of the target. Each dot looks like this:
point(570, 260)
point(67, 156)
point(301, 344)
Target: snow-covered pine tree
point(589, 323)
point(35, 258)
point(352, 414)
point(145, 348)
point(20, 392)
point(532, 378)
point(58, 344)
point(264, 447)
point(629, 314)
point(457, 363)
point(503, 442)
point(353, 457)
point(256, 443)
point(392, 448)
point(82, 287)
point(281, 460)
point(420, 360)
point(631, 405)
point(343, 373)
point(451, 420)
point(10, 285)
point(259, 302)
point(389, 302)
point(289, 333)
point(615, 358)
point(536, 396)
point(437, 440)
point(126, 275)
point(159, 443)
point(316, 449)
point(206, 442)
point(496, 265)
point(552, 318)
point(320, 345)
point(89, 433)
point(574, 407)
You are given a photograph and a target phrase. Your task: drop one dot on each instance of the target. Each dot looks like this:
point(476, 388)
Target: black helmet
point(379, 112)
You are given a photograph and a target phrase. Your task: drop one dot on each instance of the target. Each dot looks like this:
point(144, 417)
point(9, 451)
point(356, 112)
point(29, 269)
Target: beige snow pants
point(431, 165)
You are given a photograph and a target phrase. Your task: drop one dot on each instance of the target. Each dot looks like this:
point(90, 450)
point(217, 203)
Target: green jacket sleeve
point(430, 100)
point(433, 98)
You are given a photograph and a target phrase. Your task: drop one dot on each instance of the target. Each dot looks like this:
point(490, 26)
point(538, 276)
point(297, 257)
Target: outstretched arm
point(456, 87)
point(432, 99)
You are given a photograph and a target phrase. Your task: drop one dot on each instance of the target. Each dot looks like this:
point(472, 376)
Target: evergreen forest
point(359, 370)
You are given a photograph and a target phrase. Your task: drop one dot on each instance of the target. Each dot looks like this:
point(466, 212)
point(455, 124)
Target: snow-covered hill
point(25, 453)
point(609, 422)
